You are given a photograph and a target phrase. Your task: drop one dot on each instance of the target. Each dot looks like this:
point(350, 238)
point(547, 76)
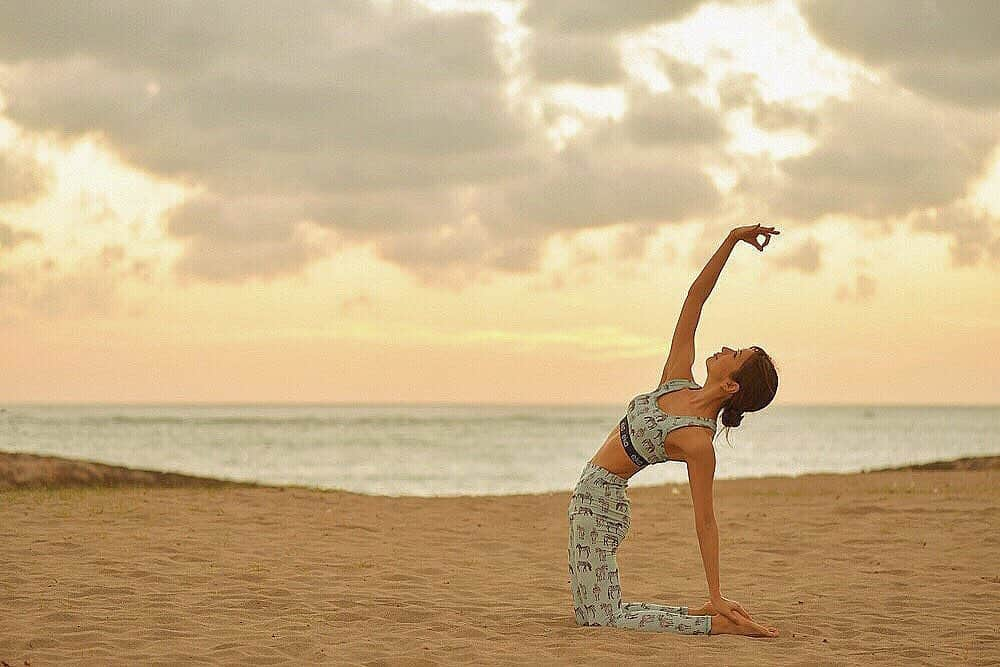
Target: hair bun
point(731, 418)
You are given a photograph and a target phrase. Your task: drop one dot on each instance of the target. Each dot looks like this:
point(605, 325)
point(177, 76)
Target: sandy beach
point(108, 566)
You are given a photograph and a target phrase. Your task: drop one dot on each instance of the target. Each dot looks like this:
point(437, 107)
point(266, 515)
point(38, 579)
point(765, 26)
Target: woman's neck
point(708, 400)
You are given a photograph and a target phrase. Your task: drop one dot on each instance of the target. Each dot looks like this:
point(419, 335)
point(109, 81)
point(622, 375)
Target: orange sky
point(881, 288)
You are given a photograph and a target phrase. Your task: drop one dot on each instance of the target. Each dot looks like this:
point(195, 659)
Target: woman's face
point(727, 361)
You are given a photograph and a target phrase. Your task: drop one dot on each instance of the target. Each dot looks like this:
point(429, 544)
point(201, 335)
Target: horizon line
point(182, 403)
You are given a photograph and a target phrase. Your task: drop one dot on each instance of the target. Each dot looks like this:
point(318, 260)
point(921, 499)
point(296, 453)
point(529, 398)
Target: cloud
point(681, 74)
point(336, 105)
point(939, 48)
point(390, 125)
point(971, 230)
point(576, 41)
point(673, 118)
point(883, 152)
point(11, 237)
point(597, 17)
point(385, 123)
point(91, 286)
point(742, 90)
point(398, 126)
point(572, 58)
point(453, 255)
point(632, 242)
point(645, 168)
point(805, 257)
point(22, 178)
point(234, 239)
point(862, 290)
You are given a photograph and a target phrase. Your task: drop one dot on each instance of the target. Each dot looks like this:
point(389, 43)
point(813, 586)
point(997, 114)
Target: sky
point(493, 202)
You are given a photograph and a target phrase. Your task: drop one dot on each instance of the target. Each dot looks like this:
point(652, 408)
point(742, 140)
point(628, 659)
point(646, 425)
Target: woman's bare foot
point(723, 626)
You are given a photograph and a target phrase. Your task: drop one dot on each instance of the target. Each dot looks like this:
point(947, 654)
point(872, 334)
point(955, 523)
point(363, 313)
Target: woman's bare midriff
point(611, 456)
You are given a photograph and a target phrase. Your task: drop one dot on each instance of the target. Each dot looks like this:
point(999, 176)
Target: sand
point(891, 567)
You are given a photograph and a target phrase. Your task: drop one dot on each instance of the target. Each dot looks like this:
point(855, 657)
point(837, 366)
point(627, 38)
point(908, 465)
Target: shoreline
point(35, 471)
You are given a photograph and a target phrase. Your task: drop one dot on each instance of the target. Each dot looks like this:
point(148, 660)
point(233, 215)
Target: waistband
point(592, 471)
point(629, 447)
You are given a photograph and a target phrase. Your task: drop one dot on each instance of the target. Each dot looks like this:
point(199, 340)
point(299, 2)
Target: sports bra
point(645, 426)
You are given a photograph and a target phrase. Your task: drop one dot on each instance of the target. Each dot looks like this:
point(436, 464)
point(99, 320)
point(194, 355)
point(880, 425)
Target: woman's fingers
point(763, 630)
point(742, 615)
point(767, 232)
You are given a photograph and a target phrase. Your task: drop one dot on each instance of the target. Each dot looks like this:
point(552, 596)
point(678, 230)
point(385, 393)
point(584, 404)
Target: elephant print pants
point(598, 522)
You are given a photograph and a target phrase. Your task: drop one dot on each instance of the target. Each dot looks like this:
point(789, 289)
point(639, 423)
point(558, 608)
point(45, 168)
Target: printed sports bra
point(645, 426)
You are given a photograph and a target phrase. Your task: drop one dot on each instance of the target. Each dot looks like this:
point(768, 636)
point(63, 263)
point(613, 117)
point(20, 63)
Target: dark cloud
point(577, 40)
point(595, 16)
point(673, 118)
point(185, 35)
point(592, 60)
point(944, 49)
point(426, 90)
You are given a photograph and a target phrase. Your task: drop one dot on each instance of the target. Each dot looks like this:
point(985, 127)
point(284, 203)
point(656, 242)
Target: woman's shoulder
point(696, 443)
point(680, 381)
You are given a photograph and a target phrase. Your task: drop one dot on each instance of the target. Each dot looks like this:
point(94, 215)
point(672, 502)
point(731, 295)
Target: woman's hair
point(758, 382)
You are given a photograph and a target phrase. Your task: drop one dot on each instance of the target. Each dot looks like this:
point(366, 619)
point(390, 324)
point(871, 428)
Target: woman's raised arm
point(705, 282)
point(681, 357)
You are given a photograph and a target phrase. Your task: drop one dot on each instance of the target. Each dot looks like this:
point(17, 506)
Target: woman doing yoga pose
point(654, 430)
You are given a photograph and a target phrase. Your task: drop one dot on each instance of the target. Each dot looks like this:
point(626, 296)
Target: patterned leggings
point(598, 522)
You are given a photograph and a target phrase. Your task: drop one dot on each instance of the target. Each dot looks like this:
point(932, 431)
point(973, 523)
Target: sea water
point(429, 450)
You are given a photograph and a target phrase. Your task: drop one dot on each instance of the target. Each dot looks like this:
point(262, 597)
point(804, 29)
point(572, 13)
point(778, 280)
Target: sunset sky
point(410, 202)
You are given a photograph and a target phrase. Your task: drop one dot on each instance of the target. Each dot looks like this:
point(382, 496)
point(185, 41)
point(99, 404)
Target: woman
point(653, 431)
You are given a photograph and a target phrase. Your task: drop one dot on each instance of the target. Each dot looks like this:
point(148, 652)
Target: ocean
point(446, 450)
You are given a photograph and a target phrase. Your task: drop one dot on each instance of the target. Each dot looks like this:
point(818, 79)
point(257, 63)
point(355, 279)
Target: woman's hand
point(731, 609)
point(750, 234)
point(707, 609)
